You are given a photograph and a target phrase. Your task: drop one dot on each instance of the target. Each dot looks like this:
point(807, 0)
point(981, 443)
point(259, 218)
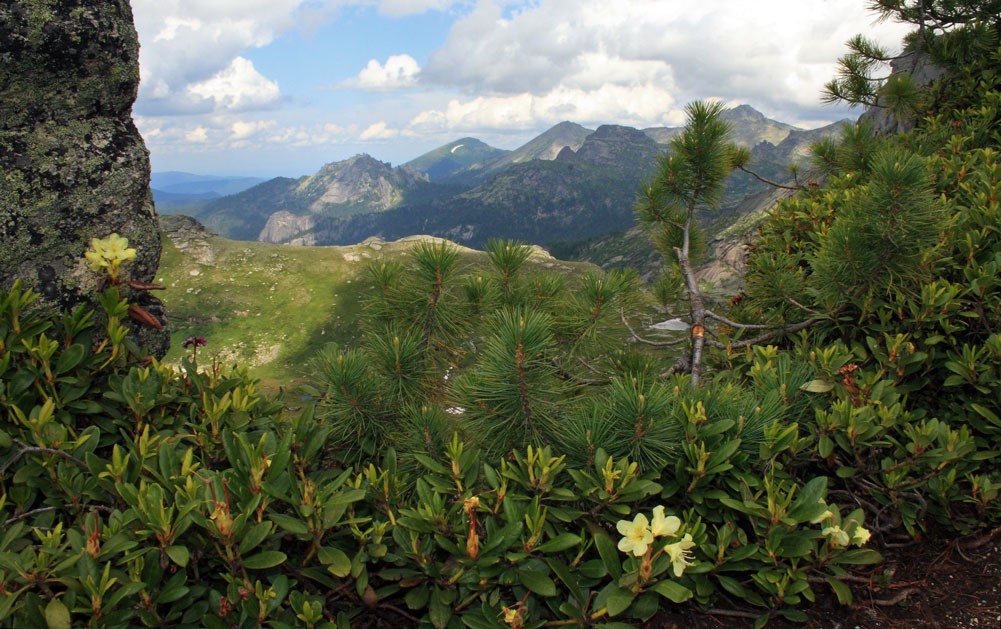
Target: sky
point(280, 87)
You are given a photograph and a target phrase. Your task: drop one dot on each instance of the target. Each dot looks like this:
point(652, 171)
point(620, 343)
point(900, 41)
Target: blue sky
point(280, 87)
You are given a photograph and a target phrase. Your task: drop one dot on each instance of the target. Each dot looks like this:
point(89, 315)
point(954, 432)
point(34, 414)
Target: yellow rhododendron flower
point(97, 261)
point(661, 526)
point(680, 555)
point(109, 253)
point(636, 535)
point(836, 536)
point(861, 536)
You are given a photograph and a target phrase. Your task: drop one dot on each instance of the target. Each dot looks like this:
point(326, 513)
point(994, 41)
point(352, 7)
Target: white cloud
point(378, 131)
point(186, 134)
point(190, 48)
point(185, 43)
point(242, 129)
point(399, 72)
point(641, 105)
point(399, 8)
point(198, 135)
point(776, 55)
point(239, 87)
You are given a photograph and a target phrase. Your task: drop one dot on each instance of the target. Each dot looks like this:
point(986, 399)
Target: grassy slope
point(295, 298)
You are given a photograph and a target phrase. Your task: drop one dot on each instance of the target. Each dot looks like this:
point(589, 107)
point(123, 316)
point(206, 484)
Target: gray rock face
point(924, 71)
point(282, 226)
point(72, 163)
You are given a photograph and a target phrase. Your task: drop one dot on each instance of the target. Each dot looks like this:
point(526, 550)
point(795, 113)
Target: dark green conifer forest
point(510, 449)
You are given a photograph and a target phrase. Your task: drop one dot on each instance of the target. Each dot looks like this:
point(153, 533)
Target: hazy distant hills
point(173, 188)
point(569, 183)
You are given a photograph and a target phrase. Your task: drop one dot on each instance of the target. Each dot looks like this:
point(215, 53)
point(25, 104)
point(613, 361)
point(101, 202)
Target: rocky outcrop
point(189, 236)
point(74, 166)
point(283, 226)
point(624, 148)
point(924, 71)
point(727, 260)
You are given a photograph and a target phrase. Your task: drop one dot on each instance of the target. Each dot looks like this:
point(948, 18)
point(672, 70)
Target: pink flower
point(196, 341)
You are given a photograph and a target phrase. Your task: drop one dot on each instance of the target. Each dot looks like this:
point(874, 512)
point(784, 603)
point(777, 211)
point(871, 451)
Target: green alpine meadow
point(414, 433)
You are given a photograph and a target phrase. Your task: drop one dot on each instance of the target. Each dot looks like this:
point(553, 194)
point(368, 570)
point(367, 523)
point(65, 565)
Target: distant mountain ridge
point(358, 185)
point(543, 147)
point(579, 194)
point(569, 183)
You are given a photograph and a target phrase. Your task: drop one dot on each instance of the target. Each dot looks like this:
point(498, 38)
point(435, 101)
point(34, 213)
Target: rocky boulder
point(73, 164)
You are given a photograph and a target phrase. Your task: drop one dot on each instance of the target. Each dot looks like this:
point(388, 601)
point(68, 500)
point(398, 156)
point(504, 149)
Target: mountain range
point(568, 184)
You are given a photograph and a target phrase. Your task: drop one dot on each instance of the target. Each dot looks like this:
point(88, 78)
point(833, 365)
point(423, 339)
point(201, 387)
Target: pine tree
point(689, 181)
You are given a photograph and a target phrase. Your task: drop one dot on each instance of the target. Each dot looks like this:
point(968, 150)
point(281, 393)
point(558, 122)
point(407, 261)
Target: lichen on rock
point(73, 164)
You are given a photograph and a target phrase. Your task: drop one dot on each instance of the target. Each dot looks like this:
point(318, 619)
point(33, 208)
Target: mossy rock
point(73, 164)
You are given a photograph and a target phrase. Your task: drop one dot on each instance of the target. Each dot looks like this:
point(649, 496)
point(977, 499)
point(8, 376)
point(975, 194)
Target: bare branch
point(804, 308)
point(734, 324)
point(28, 514)
point(563, 374)
point(26, 449)
point(735, 613)
point(802, 325)
point(770, 183)
point(636, 336)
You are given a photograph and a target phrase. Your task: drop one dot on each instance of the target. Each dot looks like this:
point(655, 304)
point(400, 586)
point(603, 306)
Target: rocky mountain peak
point(744, 112)
point(619, 146)
point(360, 176)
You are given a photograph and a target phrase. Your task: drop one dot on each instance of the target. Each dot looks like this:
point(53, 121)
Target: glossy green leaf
point(537, 582)
point(619, 601)
point(859, 556)
point(560, 542)
point(609, 554)
point(179, 555)
point(818, 386)
point(337, 562)
point(290, 523)
point(266, 559)
point(672, 591)
point(841, 589)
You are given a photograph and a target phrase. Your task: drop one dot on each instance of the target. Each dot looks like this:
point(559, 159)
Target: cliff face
point(358, 181)
point(283, 226)
point(73, 164)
